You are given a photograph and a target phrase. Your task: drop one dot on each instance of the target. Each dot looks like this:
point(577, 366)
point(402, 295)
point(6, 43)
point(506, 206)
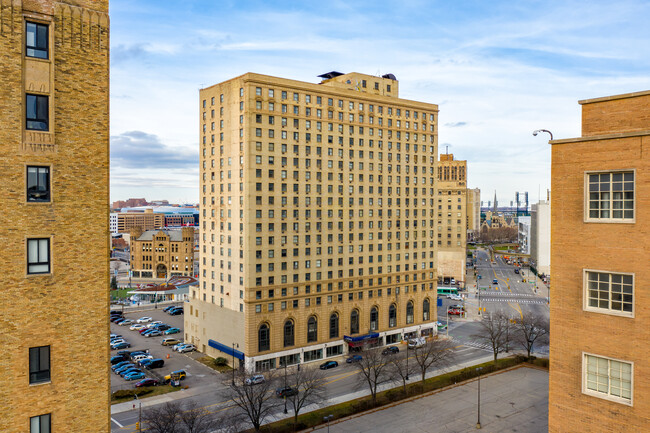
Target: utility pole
point(285, 386)
point(478, 421)
point(140, 414)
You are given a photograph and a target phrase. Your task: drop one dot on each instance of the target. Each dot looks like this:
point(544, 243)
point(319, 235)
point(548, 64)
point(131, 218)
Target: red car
point(146, 382)
point(454, 312)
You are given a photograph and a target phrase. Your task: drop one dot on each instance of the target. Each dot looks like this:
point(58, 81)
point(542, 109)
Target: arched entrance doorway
point(161, 271)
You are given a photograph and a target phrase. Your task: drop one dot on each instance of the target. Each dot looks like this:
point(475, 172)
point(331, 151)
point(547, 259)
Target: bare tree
point(373, 370)
point(253, 402)
point(196, 419)
point(436, 352)
point(401, 368)
point(175, 417)
point(493, 332)
point(310, 384)
point(531, 328)
point(162, 418)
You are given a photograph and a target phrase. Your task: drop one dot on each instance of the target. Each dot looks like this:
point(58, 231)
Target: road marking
point(118, 424)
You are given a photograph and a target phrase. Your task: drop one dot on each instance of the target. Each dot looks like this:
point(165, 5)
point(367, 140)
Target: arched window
point(392, 316)
point(374, 319)
point(334, 325)
point(354, 322)
point(288, 333)
point(409, 312)
point(312, 330)
point(425, 310)
point(263, 338)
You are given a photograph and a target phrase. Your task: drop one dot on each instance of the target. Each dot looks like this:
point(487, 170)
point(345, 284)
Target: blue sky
point(498, 70)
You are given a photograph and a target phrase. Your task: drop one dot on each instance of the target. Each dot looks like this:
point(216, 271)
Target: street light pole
point(407, 360)
point(140, 413)
point(285, 386)
point(233, 364)
point(478, 420)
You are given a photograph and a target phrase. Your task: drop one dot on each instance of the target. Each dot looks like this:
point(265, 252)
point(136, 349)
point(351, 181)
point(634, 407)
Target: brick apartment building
point(54, 88)
point(600, 238)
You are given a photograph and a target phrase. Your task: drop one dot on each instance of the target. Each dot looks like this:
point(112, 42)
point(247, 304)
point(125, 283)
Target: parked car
point(187, 348)
point(354, 358)
point(146, 382)
point(136, 353)
point(170, 307)
point(254, 380)
point(176, 312)
point(156, 363)
point(128, 371)
point(329, 364)
point(137, 327)
point(154, 333)
point(169, 341)
point(123, 367)
point(144, 319)
point(454, 297)
point(390, 350)
point(180, 374)
point(286, 391)
point(116, 313)
point(172, 331)
point(117, 359)
point(116, 318)
point(178, 346)
point(144, 362)
point(142, 356)
point(125, 322)
point(416, 343)
point(162, 327)
point(119, 365)
point(114, 336)
point(122, 345)
point(135, 376)
point(153, 324)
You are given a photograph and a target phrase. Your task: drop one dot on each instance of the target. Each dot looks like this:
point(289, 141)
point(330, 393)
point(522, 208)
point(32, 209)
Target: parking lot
point(197, 373)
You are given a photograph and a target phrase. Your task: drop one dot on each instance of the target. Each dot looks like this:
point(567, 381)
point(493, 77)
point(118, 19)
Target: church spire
point(495, 200)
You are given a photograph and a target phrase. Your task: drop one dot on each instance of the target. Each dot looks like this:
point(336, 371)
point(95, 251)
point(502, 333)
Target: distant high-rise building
point(599, 370)
point(473, 213)
point(319, 226)
point(54, 132)
point(540, 237)
point(452, 218)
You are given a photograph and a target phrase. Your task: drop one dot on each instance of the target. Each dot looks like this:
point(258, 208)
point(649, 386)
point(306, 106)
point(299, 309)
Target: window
point(409, 312)
point(334, 324)
point(607, 378)
point(37, 114)
point(40, 424)
point(611, 196)
point(38, 256)
point(374, 319)
point(609, 293)
point(392, 316)
point(425, 310)
point(312, 330)
point(354, 321)
point(263, 338)
point(289, 331)
point(38, 184)
point(36, 40)
point(39, 364)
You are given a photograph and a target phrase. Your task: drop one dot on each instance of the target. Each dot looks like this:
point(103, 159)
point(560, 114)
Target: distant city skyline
point(498, 71)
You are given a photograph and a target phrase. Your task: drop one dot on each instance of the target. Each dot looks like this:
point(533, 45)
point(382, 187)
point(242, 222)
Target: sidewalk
point(152, 401)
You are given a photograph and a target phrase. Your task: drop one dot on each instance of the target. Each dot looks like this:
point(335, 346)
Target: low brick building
point(162, 253)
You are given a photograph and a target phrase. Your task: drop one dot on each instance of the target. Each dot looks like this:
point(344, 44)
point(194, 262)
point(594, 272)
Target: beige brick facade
point(162, 253)
point(590, 324)
point(64, 307)
point(317, 200)
point(147, 220)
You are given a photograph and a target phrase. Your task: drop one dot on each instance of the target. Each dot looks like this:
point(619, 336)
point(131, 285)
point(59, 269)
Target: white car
point(137, 327)
point(139, 357)
point(454, 297)
point(144, 320)
point(254, 380)
point(175, 347)
point(152, 324)
point(187, 348)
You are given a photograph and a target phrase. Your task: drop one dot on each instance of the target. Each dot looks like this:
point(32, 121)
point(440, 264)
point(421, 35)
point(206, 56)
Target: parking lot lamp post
point(233, 364)
point(328, 418)
point(478, 421)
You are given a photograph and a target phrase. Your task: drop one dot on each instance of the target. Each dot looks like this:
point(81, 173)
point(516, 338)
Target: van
point(415, 343)
point(156, 363)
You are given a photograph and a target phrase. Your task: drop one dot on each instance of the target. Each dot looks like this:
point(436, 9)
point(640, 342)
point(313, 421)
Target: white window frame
point(609, 311)
point(607, 396)
point(610, 220)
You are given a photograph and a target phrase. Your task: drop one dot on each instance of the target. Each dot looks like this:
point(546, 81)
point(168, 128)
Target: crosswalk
point(508, 294)
point(517, 300)
point(473, 344)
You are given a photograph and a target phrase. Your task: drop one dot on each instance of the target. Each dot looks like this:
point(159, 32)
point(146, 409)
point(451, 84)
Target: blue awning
point(349, 339)
point(226, 349)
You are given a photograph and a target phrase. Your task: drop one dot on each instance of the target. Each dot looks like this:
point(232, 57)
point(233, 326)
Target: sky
point(498, 71)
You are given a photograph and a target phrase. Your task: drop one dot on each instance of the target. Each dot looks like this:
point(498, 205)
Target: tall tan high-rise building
point(54, 83)
point(473, 213)
point(318, 206)
point(600, 320)
point(451, 212)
